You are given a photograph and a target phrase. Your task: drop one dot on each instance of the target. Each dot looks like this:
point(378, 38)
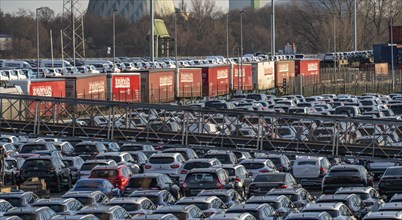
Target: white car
point(166, 163)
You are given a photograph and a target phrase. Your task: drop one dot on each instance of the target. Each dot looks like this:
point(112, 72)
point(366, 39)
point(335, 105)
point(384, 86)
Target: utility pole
point(151, 32)
point(273, 42)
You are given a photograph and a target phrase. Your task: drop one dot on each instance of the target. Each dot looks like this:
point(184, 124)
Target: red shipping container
point(43, 87)
point(246, 77)
point(309, 69)
point(190, 83)
point(397, 35)
point(215, 80)
point(157, 86)
point(124, 87)
point(88, 86)
point(284, 69)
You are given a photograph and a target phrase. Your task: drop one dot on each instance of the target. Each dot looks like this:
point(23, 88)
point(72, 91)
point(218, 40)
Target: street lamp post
point(37, 41)
point(273, 42)
point(227, 36)
point(355, 25)
point(241, 52)
point(175, 53)
point(114, 37)
point(392, 51)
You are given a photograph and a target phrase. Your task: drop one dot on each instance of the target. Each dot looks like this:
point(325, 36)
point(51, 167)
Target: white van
point(12, 75)
point(15, 64)
point(310, 170)
point(54, 63)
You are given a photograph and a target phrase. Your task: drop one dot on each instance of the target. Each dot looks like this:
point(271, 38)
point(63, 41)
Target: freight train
point(164, 86)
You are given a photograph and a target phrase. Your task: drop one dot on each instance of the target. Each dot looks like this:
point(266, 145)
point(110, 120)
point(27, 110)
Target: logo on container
point(122, 82)
point(222, 74)
point(96, 87)
point(238, 72)
point(283, 68)
point(268, 71)
point(166, 81)
point(42, 91)
point(312, 66)
point(186, 77)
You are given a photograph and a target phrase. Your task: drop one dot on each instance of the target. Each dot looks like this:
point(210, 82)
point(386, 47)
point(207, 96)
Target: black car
point(158, 197)
point(62, 206)
point(263, 183)
point(88, 150)
point(56, 175)
point(20, 199)
point(344, 176)
point(40, 213)
point(153, 181)
point(206, 178)
point(389, 183)
point(88, 197)
point(225, 157)
point(74, 164)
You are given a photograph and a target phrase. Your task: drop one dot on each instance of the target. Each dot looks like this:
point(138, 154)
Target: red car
point(117, 175)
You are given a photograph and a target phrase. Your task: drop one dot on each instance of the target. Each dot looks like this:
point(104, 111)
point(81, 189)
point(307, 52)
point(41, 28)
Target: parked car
point(344, 176)
point(12, 169)
point(121, 158)
point(20, 199)
point(206, 178)
point(87, 197)
point(239, 175)
point(90, 164)
point(383, 215)
point(166, 163)
point(105, 212)
point(74, 164)
point(119, 175)
point(228, 196)
point(197, 163)
point(255, 167)
point(352, 201)
point(209, 205)
point(52, 169)
point(133, 205)
point(389, 182)
point(371, 198)
point(96, 184)
point(41, 213)
point(259, 211)
point(309, 171)
point(263, 183)
point(88, 150)
point(182, 211)
point(225, 157)
point(282, 204)
point(160, 198)
point(299, 196)
point(60, 206)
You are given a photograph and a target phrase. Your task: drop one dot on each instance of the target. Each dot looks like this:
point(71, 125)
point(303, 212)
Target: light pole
point(273, 29)
point(114, 37)
point(355, 24)
point(241, 51)
point(176, 72)
point(227, 36)
point(335, 58)
point(392, 51)
point(37, 41)
point(151, 32)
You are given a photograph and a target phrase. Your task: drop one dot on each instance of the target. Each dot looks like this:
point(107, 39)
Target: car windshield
point(252, 166)
point(270, 178)
point(143, 183)
point(117, 159)
point(394, 172)
point(29, 148)
point(161, 160)
point(37, 164)
point(192, 165)
point(57, 208)
point(129, 206)
point(284, 131)
point(85, 148)
point(201, 178)
point(131, 148)
point(88, 184)
point(103, 173)
point(16, 202)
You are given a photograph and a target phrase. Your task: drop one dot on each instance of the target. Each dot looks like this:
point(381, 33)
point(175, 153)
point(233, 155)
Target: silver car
point(165, 163)
point(197, 163)
point(258, 166)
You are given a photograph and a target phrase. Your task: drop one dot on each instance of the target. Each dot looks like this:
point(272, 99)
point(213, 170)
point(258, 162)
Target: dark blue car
point(96, 184)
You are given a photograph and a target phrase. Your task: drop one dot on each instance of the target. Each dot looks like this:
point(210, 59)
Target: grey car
point(282, 204)
point(61, 206)
point(239, 175)
point(259, 211)
point(371, 198)
point(209, 205)
point(134, 205)
point(300, 197)
point(337, 210)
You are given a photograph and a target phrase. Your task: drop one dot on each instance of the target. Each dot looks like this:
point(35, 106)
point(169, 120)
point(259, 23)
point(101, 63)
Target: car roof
point(306, 215)
point(133, 200)
point(74, 217)
point(104, 208)
point(176, 208)
point(107, 167)
point(335, 197)
point(265, 198)
point(257, 160)
point(284, 191)
point(383, 214)
point(161, 154)
point(54, 201)
point(201, 160)
point(207, 170)
point(150, 175)
point(148, 192)
point(247, 206)
point(233, 216)
point(234, 166)
point(358, 189)
point(18, 210)
point(216, 191)
point(153, 216)
point(391, 205)
point(205, 199)
point(99, 161)
point(324, 205)
point(14, 194)
point(112, 154)
point(81, 193)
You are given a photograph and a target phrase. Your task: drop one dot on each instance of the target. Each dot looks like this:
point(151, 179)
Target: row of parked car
point(109, 180)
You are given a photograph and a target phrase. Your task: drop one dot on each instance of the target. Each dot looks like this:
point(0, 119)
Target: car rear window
point(306, 163)
point(30, 148)
point(223, 158)
point(103, 173)
point(344, 172)
point(117, 159)
point(16, 202)
point(142, 182)
point(201, 178)
point(270, 178)
point(37, 164)
point(192, 165)
point(161, 160)
point(85, 148)
point(131, 148)
point(129, 206)
point(251, 166)
point(231, 171)
point(90, 166)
